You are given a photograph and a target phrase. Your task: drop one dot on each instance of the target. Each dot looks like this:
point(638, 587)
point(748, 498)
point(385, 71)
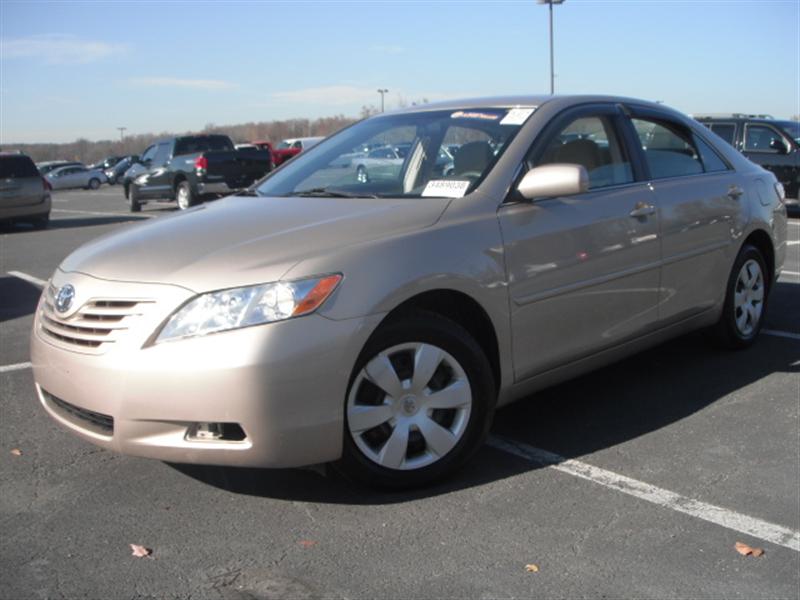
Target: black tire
point(184, 195)
point(432, 329)
point(727, 331)
point(133, 199)
point(94, 183)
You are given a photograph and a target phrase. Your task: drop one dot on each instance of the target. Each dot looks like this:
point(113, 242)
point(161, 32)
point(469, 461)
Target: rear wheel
point(133, 199)
point(184, 196)
point(745, 300)
point(420, 402)
point(42, 221)
point(94, 184)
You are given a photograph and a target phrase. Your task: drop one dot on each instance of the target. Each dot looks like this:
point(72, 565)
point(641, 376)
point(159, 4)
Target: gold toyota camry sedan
point(375, 317)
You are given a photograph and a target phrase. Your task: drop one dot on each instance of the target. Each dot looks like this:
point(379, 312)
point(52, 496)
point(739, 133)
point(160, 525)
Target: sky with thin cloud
point(82, 69)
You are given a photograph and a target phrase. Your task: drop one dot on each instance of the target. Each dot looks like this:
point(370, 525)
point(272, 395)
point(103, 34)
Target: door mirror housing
point(779, 145)
point(548, 181)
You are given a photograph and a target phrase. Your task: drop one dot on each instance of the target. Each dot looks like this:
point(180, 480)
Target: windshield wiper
point(321, 192)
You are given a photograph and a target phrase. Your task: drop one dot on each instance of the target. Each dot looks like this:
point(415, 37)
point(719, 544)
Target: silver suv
point(377, 323)
point(24, 193)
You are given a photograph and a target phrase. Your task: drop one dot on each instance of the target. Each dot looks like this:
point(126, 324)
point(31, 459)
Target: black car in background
point(24, 193)
point(106, 163)
point(771, 143)
point(115, 172)
point(192, 168)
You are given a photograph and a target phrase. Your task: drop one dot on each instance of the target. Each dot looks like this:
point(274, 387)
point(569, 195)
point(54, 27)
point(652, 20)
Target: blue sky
point(80, 69)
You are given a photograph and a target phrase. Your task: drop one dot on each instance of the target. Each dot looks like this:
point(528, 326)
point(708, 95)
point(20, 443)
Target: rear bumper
point(29, 211)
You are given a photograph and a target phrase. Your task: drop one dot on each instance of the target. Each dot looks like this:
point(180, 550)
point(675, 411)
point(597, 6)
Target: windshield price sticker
point(446, 188)
point(517, 116)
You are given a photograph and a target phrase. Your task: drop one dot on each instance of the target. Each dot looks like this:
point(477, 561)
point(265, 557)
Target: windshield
point(441, 153)
point(792, 128)
point(283, 145)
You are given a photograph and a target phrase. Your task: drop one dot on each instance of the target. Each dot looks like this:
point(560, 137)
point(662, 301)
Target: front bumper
point(284, 384)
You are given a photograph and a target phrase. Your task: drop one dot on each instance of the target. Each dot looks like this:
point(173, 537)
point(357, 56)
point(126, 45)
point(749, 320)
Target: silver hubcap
point(361, 175)
point(183, 198)
point(748, 300)
point(409, 406)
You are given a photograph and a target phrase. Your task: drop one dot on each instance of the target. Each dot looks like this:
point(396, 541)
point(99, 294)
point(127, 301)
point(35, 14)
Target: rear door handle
point(734, 192)
point(642, 209)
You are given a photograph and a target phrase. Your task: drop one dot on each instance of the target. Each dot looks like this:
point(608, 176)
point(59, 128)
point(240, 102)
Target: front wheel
point(133, 199)
point(361, 174)
point(745, 300)
point(420, 402)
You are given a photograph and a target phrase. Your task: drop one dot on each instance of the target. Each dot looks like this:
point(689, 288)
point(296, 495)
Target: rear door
point(583, 270)
point(700, 206)
point(20, 182)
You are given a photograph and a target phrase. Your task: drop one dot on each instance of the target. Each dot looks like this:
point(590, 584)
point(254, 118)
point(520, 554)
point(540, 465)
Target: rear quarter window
point(12, 167)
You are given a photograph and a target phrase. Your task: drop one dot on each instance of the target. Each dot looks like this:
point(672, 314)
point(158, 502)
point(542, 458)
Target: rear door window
point(669, 149)
point(13, 167)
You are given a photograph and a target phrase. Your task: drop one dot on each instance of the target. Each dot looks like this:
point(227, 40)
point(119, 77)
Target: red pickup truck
point(291, 147)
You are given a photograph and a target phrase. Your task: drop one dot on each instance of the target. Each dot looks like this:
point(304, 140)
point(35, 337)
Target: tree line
point(89, 152)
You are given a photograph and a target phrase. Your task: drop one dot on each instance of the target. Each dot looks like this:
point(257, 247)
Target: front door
point(583, 270)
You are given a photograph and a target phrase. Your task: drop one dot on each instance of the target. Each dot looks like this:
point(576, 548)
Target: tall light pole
point(552, 61)
point(121, 132)
point(382, 92)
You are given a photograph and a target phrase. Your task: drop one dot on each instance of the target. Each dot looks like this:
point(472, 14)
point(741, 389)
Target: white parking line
point(763, 530)
point(793, 243)
point(29, 278)
point(784, 334)
point(16, 367)
point(792, 273)
point(102, 214)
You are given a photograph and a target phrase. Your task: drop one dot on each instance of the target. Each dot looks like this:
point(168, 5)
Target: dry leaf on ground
point(307, 543)
point(746, 550)
point(16, 452)
point(140, 551)
point(532, 568)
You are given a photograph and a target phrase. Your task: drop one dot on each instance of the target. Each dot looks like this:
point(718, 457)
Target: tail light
point(201, 163)
point(46, 185)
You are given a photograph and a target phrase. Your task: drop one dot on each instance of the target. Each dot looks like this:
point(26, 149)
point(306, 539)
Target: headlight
point(246, 306)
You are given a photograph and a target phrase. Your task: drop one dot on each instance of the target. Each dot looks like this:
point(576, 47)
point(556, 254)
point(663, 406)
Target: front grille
point(94, 326)
point(94, 421)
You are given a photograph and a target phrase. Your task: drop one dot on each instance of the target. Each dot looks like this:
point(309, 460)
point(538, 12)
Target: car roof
point(537, 100)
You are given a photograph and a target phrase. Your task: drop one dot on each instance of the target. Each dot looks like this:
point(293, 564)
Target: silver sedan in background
point(76, 176)
point(377, 323)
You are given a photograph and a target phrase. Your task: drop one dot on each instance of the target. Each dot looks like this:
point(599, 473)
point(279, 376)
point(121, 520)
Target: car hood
point(240, 241)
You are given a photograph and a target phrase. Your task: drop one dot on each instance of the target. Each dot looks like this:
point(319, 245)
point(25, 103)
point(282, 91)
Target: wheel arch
point(464, 311)
point(762, 241)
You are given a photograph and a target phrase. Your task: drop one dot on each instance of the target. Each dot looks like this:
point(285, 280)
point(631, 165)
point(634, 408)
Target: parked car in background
point(193, 168)
point(24, 193)
point(264, 146)
point(106, 163)
point(771, 143)
point(116, 172)
point(377, 324)
point(47, 166)
point(75, 177)
point(292, 147)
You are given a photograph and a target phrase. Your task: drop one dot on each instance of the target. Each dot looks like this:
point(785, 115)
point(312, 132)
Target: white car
point(76, 177)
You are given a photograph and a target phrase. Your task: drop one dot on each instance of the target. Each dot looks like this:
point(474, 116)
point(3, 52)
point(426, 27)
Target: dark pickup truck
point(190, 169)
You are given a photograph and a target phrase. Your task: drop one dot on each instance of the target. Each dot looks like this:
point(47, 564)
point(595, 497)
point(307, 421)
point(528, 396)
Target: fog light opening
point(215, 432)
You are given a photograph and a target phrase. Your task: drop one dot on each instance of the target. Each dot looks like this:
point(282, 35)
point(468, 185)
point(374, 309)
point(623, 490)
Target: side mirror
point(548, 181)
point(779, 145)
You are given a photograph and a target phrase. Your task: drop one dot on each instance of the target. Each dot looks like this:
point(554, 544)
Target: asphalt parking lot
point(634, 481)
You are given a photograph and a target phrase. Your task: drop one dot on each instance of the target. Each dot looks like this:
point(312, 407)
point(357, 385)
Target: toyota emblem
point(64, 298)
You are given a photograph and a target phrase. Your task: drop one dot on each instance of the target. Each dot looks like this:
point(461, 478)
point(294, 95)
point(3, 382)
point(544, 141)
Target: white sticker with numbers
point(517, 116)
point(446, 188)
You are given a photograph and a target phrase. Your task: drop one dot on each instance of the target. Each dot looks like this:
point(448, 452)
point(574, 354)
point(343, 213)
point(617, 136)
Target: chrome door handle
point(734, 192)
point(642, 209)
